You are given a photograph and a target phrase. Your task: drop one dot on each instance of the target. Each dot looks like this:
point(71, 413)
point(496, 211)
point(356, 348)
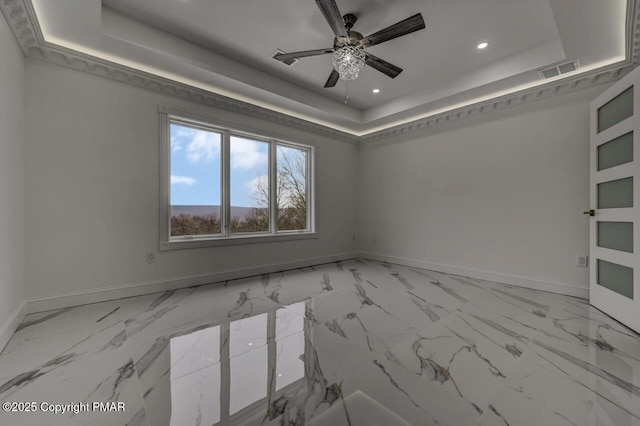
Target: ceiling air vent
point(289, 63)
point(558, 69)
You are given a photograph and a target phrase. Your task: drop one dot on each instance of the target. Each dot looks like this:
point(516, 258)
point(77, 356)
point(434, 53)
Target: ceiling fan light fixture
point(348, 61)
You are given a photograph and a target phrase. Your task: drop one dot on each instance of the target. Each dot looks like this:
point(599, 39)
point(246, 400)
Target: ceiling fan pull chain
point(346, 95)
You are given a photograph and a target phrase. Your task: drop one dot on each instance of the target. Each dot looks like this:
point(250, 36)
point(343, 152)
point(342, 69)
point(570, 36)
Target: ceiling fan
point(348, 52)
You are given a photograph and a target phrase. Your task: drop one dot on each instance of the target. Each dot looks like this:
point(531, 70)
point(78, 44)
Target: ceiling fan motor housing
point(354, 38)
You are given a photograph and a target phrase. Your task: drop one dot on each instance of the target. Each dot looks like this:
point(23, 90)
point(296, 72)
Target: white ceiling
point(225, 46)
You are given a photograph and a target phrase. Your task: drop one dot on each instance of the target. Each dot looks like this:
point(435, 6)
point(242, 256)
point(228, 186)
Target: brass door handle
point(590, 212)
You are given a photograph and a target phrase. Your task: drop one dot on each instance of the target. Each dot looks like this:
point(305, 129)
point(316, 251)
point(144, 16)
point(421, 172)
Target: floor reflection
point(429, 347)
point(232, 371)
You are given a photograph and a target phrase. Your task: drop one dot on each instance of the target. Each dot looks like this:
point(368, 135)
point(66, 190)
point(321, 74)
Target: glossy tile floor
point(355, 341)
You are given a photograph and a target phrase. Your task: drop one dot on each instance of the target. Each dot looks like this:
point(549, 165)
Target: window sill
point(238, 240)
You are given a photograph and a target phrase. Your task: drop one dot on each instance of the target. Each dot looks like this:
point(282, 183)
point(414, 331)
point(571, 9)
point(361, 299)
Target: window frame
point(170, 116)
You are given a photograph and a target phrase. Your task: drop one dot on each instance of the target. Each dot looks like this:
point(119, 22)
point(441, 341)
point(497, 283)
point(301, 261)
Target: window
point(226, 186)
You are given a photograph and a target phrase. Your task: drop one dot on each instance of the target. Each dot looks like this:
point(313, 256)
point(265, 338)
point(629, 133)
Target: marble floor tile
point(537, 300)
point(293, 286)
point(538, 396)
point(25, 350)
point(463, 362)
point(272, 374)
point(309, 345)
point(398, 390)
point(416, 311)
point(102, 377)
point(496, 312)
point(372, 328)
point(445, 290)
point(358, 409)
point(335, 304)
point(379, 288)
point(189, 309)
point(584, 331)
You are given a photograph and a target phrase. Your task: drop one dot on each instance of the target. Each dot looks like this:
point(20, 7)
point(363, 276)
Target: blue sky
point(195, 167)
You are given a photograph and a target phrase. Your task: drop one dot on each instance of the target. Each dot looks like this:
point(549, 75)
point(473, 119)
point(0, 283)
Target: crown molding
point(112, 71)
point(560, 87)
point(20, 16)
point(22, 20)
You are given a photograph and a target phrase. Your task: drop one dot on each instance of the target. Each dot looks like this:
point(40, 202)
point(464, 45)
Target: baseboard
point(552, 287)
point(11, 324)
point(137, 289)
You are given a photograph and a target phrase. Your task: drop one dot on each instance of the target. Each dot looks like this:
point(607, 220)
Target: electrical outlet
point(582, 260)
point(151, 257)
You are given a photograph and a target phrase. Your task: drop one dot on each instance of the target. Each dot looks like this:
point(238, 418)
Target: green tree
point(186, 224)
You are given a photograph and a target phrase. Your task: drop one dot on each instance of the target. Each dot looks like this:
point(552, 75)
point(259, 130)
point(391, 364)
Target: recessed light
point(483, 45)
point(250, 344)
point(376, 90)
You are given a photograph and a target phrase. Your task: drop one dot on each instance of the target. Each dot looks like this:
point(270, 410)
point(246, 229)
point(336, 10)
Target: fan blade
point(305, 53)
point(405, 27)
point(332, 14)
point(332, 80)
point(383, 66)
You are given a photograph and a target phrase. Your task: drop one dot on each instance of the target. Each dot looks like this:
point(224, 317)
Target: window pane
point(194, 351)
point(249, 185)
point(292, 188)
point(247, 334)
point(616, 236)
point(248, 374)
point(195, 398)
point(616, 152)
point(290, 320)
point(615, 194)
point(289, 360)
point(616, 278)
point(195, 181)
point(290, 343)
point(616, 110)
point(248, 351)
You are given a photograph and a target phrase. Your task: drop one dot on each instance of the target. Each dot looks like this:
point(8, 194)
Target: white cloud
point(184, 180)
point(204, 146)
point(257, 182)
point(246, 154)
point(257, 188)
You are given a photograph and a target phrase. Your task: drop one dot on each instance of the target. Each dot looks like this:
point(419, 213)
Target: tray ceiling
point(225, 47)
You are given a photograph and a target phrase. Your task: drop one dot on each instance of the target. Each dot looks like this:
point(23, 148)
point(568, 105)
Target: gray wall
point(93, 189)
point(500, 194)
point(12, 199)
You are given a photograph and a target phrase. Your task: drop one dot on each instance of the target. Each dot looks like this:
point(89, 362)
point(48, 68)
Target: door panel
point(615, 235)
point(615, 197)
point(615, 194)
point(615, 277)
point(618, 151)
point(616, 110)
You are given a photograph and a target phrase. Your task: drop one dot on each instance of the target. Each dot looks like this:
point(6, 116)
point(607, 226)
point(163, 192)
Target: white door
point(615, 201)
